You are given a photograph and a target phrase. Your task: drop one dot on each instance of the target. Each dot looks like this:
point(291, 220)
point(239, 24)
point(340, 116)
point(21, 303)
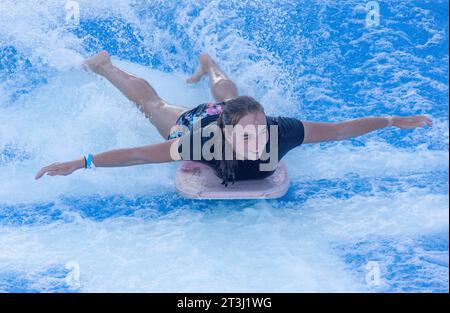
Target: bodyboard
point(196, 180)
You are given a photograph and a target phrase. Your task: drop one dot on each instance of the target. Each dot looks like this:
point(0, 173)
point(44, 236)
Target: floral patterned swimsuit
point(190, 117)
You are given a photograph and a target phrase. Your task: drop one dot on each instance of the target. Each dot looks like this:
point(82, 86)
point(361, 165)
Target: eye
point(248, 136)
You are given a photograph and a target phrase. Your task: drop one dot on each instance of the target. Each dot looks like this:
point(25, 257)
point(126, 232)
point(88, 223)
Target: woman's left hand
point(411, 121)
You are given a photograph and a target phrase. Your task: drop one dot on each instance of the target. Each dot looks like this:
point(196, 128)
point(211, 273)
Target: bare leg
point(222, 88)
point(158, 111)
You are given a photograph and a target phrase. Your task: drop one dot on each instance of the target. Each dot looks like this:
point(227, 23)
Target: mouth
point(253, 151)
point(253, 154)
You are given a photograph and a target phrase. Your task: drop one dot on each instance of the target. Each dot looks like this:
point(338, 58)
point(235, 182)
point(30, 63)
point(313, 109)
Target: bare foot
point(98, 62)
point(202, 68)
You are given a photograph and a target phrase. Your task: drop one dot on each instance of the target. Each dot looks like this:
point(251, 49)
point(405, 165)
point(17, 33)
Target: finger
point(45, 168)
point(39, 174)
point(425, 118)
point(424, 121)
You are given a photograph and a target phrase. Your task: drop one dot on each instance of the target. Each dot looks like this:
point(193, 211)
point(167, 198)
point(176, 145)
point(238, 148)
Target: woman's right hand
point(57, 168)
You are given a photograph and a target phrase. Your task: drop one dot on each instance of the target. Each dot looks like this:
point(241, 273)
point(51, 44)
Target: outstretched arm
point(318, 132)
point(155, 153)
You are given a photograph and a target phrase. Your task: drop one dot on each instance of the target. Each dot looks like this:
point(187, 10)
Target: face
point(249, 136)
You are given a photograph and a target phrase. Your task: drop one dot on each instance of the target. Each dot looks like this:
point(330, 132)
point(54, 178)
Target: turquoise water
point(368, 214)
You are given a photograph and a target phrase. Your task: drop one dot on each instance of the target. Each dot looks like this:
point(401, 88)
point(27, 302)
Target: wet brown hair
point(233, 111)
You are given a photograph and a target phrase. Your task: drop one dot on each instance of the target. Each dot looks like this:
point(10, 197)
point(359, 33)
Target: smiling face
point(249, 136)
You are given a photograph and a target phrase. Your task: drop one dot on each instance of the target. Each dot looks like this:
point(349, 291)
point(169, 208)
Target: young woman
point(176, 125)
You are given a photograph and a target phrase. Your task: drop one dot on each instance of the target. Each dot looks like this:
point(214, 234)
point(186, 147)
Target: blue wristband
point(89, 160)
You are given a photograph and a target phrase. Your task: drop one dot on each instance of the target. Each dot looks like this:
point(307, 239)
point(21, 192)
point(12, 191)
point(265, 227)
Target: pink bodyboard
point(196, 180)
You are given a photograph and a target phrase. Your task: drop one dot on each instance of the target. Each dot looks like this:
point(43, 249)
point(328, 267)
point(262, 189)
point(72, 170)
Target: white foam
point(83, 113)
point(266, 246)
point(184, 251)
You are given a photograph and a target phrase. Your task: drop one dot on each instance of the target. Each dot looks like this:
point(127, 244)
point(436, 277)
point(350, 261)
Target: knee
point(144, 92)
point(226, 84)
point(225, 89)
point(151, 107)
